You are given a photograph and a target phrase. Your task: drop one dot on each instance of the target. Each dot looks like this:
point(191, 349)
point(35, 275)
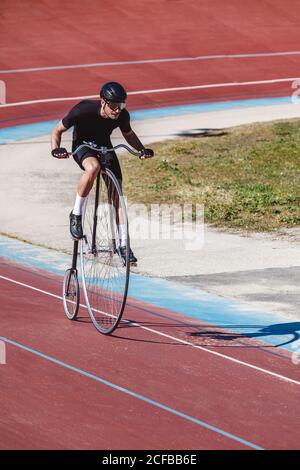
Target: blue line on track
point(135, 395)
point(11, 134)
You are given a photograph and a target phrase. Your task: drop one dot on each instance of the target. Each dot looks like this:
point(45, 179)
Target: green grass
point(247, 177)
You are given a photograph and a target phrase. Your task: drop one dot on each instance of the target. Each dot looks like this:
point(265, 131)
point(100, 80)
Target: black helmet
point(113, 91)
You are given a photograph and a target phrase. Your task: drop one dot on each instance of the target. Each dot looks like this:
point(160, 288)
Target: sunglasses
point(115, 106)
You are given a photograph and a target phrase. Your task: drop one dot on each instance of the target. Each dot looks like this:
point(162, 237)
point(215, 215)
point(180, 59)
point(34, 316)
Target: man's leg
point(120, 220)
point(112, 163)
point(91, 169)
point(122, 229)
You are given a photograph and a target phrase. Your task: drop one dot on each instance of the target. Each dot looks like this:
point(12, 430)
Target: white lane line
point(157, 90)
point(154, 61)
point(187, 343)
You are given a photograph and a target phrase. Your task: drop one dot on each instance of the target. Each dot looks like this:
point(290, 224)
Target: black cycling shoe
point(122, 252)
point(76, 226)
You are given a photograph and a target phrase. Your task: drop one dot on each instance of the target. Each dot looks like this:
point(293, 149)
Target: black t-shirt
point(90, 126)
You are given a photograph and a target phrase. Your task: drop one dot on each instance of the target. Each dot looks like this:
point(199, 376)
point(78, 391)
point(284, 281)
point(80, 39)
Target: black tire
point(71, 294)
point(105, 275)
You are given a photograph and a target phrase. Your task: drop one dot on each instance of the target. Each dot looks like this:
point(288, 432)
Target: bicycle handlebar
point(104, 150)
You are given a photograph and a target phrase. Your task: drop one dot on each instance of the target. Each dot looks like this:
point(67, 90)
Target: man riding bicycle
point(94, 121)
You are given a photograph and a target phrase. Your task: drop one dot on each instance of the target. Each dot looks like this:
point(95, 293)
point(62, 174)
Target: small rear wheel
point(71, 294)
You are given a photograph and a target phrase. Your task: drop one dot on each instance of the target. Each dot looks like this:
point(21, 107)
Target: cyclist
point(94, 121)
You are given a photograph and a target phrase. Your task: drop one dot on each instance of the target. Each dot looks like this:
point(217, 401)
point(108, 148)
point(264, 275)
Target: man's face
point(112, 110)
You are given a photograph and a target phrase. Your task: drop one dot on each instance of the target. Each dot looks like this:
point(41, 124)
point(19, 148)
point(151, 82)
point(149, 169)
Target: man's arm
point(56, 135)
point(57, 151)
point(135, 142)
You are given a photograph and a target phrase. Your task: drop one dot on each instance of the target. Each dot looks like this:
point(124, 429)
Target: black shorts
point(110, 160)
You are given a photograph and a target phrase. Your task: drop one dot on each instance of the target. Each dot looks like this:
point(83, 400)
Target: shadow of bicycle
point(292, 330)
point(201, 132)
point(219, 336)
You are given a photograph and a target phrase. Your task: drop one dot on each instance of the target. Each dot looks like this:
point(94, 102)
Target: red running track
point(45, 405)
point(56, 34)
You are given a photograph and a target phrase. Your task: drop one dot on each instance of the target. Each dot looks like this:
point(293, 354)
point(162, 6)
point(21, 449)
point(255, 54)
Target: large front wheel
point(105, 273)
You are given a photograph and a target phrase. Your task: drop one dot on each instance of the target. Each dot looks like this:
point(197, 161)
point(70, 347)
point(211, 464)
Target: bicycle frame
point(115, 287)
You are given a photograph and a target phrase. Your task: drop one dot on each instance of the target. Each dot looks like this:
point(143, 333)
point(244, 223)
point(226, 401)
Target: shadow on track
point(215, 336)
point(278, 329)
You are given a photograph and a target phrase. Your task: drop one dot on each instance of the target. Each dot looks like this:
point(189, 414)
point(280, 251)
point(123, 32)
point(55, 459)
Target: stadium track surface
point(54, 405)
